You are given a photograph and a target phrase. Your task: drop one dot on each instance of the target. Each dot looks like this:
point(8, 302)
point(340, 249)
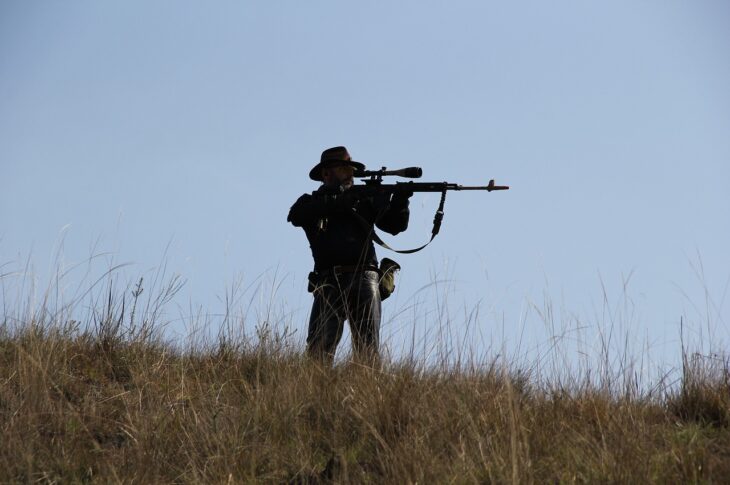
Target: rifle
point(375, 185)
point(376, 180)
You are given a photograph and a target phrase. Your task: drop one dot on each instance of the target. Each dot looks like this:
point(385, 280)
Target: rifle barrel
point(488, 188)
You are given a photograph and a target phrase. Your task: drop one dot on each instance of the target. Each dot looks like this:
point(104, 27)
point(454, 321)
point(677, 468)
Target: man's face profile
point(341, 175)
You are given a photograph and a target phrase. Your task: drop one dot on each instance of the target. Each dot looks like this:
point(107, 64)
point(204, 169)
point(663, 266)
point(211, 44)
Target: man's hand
point(400, 197)
point(403, 193)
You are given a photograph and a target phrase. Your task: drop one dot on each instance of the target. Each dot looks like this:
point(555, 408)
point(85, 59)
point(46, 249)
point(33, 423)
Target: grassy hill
point(107, 401)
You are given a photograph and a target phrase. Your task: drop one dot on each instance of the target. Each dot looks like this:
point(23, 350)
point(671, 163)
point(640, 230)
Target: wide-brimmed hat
point(332, 157)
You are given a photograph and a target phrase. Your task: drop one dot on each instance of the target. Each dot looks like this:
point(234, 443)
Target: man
point(345, 281)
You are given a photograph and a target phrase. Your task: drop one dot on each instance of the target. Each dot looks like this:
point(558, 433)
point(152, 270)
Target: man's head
point(338, 175)
point(335, 167)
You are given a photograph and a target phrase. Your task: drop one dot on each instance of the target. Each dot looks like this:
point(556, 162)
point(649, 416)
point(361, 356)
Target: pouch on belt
point(388, 269)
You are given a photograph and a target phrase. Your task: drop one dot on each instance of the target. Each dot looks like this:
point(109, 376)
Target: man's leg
point(325, 323)
point(364, 316)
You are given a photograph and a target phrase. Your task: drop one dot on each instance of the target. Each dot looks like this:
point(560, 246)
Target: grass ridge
point(108, 406)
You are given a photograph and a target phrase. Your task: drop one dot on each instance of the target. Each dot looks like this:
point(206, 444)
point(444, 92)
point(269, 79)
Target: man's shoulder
point(304, 197)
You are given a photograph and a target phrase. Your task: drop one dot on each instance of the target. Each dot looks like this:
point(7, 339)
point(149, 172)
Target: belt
point(340, 269)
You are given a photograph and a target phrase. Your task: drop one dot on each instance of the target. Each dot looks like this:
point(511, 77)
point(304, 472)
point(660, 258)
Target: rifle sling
point(437, 218)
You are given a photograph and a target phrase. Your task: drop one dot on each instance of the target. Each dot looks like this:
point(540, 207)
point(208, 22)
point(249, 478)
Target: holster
point(388, 269)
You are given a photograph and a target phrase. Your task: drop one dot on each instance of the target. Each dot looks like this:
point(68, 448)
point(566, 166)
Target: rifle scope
point(408, 172)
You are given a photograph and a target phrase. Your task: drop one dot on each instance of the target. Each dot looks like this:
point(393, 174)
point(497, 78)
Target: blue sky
point(130, 127)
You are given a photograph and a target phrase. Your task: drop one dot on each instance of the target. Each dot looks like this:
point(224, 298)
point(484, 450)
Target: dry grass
point(115, 403)
point(78, 409)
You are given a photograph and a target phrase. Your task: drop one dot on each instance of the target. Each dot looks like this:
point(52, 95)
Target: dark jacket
point(336, 236)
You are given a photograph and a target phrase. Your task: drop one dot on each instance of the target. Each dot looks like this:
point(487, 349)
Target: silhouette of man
point(339, 224)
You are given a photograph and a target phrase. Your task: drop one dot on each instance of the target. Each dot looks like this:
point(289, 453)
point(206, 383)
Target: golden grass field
point(110, 401)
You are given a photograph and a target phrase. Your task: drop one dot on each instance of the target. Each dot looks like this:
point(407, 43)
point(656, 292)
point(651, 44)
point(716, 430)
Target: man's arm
point(308, 209)
point(305, 211)
point(395, 219)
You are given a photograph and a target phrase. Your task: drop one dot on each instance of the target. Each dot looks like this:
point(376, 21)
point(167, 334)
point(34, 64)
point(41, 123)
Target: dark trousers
point(354, 297)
